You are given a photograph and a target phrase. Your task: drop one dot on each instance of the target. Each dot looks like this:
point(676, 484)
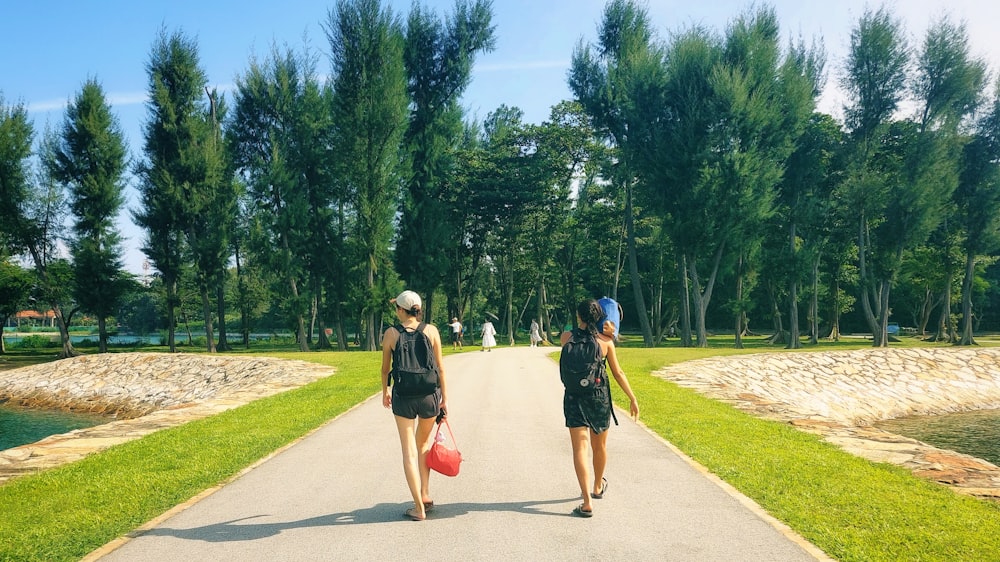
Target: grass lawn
point(851, 508)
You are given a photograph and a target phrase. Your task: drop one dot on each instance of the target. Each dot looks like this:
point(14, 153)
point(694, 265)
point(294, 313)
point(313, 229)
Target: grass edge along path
point(849, 507)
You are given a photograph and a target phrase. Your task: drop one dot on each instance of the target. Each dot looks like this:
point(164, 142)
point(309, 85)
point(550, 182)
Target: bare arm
point(388, 344)
point(435, 339)
point(620, 378)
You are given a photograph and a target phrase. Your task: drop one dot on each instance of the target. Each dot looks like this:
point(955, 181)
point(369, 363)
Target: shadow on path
point(236, 530)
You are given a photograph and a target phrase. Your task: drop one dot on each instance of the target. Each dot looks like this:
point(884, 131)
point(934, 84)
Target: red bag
point(442, 459)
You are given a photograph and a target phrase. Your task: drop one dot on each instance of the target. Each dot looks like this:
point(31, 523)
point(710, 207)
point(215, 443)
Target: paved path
point(339, 494)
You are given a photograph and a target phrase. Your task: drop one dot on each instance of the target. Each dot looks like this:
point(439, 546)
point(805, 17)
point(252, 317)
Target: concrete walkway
point(339, 494)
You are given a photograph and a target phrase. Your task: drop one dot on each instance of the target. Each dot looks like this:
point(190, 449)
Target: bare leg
point(599, 442)
point(425, 427)
point(580, 437)
point(411, 460)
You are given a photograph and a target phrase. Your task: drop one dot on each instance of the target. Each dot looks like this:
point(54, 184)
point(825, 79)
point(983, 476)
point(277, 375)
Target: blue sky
point(49, 47)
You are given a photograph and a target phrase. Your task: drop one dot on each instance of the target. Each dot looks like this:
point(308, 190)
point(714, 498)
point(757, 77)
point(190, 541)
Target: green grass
point(849, 507)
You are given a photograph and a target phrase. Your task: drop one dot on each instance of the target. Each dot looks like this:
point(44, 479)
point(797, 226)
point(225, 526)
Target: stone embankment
point(839, 394)
point(141, 392)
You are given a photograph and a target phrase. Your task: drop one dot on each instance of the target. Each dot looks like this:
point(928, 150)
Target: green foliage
point(369, 107)
point(177, 165)
point(89, 159)
point(850, 508)
point(16, 135)
point(438, 57)
point(35, 342)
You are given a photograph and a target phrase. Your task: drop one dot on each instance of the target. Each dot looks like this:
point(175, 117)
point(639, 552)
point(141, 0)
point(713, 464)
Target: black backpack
point(414, 371)
point(581, 365)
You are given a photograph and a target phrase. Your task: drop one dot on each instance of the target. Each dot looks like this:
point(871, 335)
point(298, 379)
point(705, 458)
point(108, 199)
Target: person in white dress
point(536, 336)
point(489, 336)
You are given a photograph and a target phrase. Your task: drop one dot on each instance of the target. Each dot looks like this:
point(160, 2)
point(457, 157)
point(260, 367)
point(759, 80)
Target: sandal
point(580, 512)
point(604, 488)
point(413, 514)
point(428, 506)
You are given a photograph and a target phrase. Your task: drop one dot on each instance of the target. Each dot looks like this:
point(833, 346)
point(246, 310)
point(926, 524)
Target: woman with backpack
point(587, 399)
point(412, 363)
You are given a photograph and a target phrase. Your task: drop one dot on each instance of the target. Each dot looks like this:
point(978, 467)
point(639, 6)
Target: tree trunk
point(793, 296)
point(220, 310)
point(702, 297)
point(633, 268)
point(685, 300)
point(738, 329)
point(3, 325)
point(369, 315)
point(206, 307)
point(172, 300)
point(970, 272)
point(102, 335)
point(814, 303)
point(945, 332)
point(835, 313)
point(67, 345)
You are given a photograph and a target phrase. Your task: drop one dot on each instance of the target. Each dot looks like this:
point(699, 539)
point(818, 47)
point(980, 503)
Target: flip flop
point(428, 506)
point(413, 514)
point(580, 512)
point(604, 488)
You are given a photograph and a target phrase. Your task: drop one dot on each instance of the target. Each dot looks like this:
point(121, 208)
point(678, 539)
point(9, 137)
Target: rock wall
point(850, 387)
point(129, 385)
point(838, 394)
point(147, 392)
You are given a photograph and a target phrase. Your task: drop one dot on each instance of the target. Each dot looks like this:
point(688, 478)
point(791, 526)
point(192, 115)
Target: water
point(973, 433)
point(20, 426)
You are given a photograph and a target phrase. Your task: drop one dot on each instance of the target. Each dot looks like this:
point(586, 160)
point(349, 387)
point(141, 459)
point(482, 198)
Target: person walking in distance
point(412, 364)
point(535, 333)
point(587, 400)
point(489, 336)
point(456, 333)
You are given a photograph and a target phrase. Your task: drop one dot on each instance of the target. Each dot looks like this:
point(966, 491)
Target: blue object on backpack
point(612, 313)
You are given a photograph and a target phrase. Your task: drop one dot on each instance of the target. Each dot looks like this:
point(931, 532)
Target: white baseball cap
point(407, 300)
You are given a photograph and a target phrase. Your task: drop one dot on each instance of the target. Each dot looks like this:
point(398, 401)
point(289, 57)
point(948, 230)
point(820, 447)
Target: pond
point(20, 426)
point(973, 433)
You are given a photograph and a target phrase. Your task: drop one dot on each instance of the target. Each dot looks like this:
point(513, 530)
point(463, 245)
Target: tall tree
point(176, 166)
point(90, 160)
point(369, 108)
point(212, 207)
point(278, 136)
point(803, 192)
point(807, 213)
point(875, 80)
point(978, 200)
point(765, 103)
point(619, 83)
point(33, 213)
point(947, 86)
point(438, 57)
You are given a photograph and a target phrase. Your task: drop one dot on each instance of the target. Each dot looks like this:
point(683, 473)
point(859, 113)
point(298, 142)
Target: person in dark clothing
point(415, 414)
point(588, 416)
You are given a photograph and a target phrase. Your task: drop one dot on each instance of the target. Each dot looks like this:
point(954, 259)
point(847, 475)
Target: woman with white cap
point(411, 355)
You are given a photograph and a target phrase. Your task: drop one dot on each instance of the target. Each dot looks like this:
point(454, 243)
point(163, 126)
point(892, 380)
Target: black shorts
point(456, 337)
point(411, 407)
point(588, 410)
